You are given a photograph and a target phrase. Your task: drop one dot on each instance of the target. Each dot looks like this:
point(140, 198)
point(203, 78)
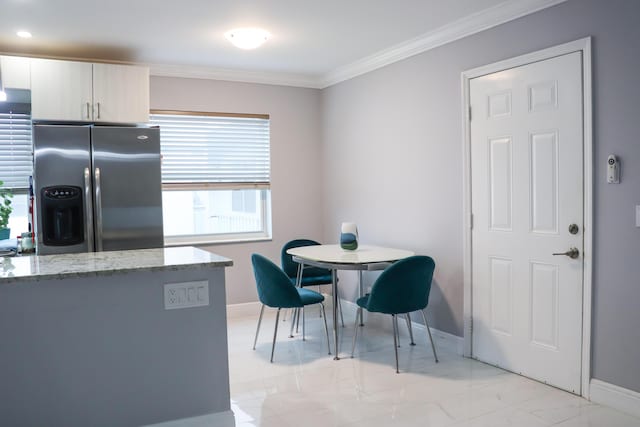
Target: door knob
point(572, 253)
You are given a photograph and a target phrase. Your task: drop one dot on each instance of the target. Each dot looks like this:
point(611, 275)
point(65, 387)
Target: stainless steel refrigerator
point(97, 188)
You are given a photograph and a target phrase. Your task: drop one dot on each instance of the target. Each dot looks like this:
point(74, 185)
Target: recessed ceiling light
point(247, 38)
point(24, 34)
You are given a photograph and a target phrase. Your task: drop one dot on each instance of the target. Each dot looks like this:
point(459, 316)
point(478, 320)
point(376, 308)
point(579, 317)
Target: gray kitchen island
point(122, 338)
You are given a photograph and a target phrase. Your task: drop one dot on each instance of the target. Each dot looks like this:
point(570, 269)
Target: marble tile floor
point(306, 387)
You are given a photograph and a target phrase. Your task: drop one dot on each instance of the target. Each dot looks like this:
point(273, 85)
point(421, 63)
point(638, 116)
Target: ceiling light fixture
point(247, 38)
point(24, 34)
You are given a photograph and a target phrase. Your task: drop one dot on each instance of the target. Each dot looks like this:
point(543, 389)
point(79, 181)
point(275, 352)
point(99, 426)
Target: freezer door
point(61, 175)
point(128, 192)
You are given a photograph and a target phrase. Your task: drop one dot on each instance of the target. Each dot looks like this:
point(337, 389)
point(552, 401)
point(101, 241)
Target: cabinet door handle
point(98, 104)
point(88, 112)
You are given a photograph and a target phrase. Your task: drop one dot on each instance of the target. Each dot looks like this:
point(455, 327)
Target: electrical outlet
point(186, 294)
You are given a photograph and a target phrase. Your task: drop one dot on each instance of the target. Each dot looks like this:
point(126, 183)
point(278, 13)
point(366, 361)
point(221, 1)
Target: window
point(215, 176)
point(16, 158)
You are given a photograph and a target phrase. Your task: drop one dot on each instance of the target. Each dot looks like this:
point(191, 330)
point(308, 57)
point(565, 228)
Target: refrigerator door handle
point(98, 202)
point(88, 207)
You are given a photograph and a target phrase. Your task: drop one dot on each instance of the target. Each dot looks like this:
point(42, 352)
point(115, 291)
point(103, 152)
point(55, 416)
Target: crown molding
point(472, 24)
point(261, 77)
point(464, 27)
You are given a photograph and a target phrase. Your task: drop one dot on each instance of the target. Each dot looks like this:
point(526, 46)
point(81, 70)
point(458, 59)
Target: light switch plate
point(186, 294)
point(637, 215)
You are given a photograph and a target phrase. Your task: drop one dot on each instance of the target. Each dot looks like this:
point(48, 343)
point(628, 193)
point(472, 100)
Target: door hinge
point(471, 221)
point(469, 112)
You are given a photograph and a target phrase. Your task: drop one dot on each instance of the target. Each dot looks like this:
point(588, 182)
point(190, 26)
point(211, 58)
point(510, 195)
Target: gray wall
point(296, 196)
point(393, 162)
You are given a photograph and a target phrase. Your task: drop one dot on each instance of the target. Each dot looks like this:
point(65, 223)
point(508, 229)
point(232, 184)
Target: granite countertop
point(39, 267)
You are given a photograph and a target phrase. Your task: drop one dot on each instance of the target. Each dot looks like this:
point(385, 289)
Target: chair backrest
point(290, 267)
point(274, 287)
point(403, 287)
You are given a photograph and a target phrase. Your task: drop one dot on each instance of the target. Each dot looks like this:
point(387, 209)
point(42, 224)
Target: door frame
point(581, 45)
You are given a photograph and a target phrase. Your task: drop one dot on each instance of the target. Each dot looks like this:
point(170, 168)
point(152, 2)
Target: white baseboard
point(455, 341)
point(246, 309)
point(615, 397)
point(219, 419)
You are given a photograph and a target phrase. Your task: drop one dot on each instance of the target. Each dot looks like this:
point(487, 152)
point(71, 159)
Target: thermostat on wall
point(613, 170)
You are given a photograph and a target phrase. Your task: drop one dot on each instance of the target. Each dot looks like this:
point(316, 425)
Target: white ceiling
point(314, 42)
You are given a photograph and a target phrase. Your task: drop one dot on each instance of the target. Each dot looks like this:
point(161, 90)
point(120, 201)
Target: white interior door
point(527, 193)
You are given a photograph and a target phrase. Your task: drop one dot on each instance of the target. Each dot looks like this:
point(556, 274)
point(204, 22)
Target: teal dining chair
point(402, 288)
point(276, 290)
point(311, 276)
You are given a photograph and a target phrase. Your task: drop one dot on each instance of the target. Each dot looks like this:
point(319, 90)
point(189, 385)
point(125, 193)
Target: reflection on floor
point(306, 387)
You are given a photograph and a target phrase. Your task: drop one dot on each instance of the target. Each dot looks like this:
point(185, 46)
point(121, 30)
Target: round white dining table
point(334, 258)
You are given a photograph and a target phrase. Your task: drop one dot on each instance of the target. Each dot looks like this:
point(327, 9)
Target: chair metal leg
point(297, 319)
point(355, 332)
point(326, 329)
point(294, 315)
point(299, 275)
point(298, 280)
point(275, 333)
point(298, 285)
point(433, 346)
point(255, 340)
point(394, 319)
point(408, 319)
point(303, 323)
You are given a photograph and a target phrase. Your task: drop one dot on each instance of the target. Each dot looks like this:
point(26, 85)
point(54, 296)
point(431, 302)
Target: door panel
point(501, 278)
point(544, 304)
point(60, 157)
point(544, 183)
point(527, 188)
point(130, 187)
point(501, 187)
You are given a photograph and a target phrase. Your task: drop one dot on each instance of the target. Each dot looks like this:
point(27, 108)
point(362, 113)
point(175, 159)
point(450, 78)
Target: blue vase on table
point(349, 236)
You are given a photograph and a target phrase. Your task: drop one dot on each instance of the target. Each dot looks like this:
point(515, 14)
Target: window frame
point(264, 189)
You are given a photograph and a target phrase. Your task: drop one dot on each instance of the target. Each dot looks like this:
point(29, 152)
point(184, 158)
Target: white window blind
point(213, 149)
point(16, 159)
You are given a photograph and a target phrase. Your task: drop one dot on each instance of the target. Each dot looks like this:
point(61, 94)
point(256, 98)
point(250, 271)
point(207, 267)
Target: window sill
point(187, 242)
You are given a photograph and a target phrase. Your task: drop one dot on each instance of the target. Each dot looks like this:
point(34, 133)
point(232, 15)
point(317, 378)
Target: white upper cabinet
point(15, 72)
point(120, 93)
point(68, 90)
point(61, 90)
